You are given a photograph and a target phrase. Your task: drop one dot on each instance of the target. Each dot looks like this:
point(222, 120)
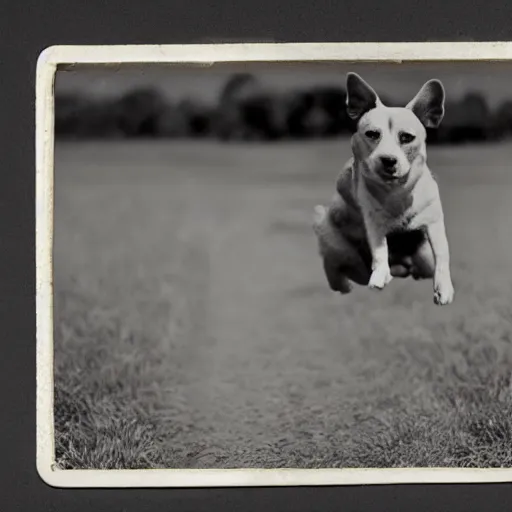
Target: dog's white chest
point(399, 212)
point(391, 216)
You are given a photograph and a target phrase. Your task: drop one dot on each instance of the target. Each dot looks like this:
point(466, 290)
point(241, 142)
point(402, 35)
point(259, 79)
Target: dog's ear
point(360, 97)
point(428, 104)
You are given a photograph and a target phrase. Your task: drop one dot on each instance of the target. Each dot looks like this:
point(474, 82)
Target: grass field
point(194, 326)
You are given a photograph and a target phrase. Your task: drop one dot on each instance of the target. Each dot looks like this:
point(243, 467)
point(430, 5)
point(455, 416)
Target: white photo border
point(205, 54)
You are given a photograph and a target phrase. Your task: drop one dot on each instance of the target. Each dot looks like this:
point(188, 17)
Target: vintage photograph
point(283, 265)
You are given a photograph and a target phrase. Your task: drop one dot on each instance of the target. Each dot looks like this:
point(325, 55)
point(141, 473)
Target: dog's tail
point(321, 228)
point(327, 234)
point(319, 217)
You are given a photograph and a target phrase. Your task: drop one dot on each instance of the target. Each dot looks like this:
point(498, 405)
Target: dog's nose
point(388, 163)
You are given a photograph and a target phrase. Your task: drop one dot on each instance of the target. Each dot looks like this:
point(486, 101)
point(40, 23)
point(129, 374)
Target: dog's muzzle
point(388, 170)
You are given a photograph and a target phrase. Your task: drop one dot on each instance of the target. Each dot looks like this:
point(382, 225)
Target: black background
point(26, 28)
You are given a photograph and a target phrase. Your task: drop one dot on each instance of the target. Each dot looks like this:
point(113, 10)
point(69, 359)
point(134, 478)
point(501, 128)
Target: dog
point(386, 218)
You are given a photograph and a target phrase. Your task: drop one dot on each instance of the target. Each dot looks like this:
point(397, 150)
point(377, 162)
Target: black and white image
point(194, 323)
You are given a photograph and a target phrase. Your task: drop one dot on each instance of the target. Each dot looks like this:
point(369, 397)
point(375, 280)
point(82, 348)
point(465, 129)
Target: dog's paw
point(444, 294)
point(380, 277)
point(344, 286)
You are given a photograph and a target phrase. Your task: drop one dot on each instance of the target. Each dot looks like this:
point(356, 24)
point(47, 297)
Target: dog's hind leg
point(342, 261)
point(423, 262)
point(337, 280)
point(334, 251)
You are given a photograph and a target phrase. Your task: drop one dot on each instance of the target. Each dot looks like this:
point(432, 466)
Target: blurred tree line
point(247, 111)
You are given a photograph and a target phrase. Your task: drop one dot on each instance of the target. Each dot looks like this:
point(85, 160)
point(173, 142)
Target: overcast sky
point(397, 81)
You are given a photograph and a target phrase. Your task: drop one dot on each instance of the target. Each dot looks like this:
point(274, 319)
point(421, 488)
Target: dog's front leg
point(443, 287)
point(381, 273)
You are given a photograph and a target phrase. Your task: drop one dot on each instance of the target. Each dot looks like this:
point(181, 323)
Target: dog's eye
point(372, 134)
point(406, 138)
